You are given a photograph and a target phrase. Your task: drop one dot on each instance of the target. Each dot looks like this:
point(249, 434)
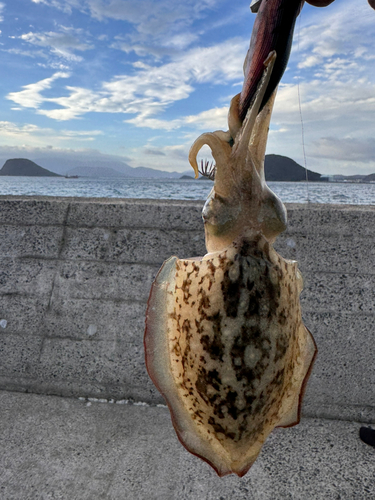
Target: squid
point(225, 343)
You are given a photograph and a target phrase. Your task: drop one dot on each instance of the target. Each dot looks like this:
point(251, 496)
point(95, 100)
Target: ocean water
point(177, 189)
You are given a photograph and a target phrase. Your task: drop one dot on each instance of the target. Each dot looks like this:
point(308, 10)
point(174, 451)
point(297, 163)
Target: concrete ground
point(60, 448)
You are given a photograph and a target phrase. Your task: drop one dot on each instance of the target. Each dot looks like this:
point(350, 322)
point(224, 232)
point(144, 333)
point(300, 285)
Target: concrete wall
point(75, 276)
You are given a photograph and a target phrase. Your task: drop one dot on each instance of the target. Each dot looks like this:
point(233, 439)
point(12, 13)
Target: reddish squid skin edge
point(150, 342)
point(304, 384)
point(149, 346)
point(154, 319)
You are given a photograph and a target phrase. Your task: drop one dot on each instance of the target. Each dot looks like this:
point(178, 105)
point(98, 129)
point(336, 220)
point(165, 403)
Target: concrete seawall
point(75, 276)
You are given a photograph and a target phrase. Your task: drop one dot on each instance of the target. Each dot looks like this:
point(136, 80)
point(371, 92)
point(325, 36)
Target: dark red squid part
point(273, 30)
point(319, 3)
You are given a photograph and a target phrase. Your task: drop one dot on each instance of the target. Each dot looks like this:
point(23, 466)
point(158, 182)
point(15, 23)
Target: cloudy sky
point(139, 80)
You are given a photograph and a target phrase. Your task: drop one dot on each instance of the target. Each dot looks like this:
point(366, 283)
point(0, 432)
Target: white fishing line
point(300, 112)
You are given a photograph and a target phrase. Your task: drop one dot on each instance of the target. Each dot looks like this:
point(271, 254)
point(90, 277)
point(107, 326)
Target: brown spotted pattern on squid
point(234, 346)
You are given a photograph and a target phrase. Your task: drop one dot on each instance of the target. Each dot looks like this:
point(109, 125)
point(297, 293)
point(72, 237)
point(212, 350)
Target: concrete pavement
point(71, 449)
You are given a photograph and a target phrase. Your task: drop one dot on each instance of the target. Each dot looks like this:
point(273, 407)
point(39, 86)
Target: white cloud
point(160, 28)
point(341, 100)
point(310, 61)
point(346, 149)
point(64, 6)
point(149, 15)
point(62, 44)
point(178, 152)
point(54, 65)
point(154, 123)
point(11, 129)
point(346, 109)
point(167, 46)
point(146, 92)
point(152, 151)
point(339, 30)
point(16, 134)
point(212, 119)
point(176, 155)
point(31, 96)
point(27, 53)
point(82, 134)
point(2, 7)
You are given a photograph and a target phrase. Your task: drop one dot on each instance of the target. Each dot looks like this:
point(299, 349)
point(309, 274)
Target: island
point(24, 167)
point(281, 168)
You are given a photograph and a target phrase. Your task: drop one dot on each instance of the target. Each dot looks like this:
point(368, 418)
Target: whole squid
point(225, 343)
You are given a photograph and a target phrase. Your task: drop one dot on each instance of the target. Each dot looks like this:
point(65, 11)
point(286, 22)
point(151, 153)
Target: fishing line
point(300, 112)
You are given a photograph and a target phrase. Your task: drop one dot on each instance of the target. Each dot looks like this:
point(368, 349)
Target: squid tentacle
point(218, 141)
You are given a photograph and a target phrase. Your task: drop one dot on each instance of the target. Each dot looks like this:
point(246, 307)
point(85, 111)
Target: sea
point(181, 189)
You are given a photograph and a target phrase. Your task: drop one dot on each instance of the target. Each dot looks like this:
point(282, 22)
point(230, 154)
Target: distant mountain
point(137, 172)
point(357, 177)
point(95, 172)
point(147, 172)
point(282, 168)
point(24, 167)
point(113, 168)
point(65, 164)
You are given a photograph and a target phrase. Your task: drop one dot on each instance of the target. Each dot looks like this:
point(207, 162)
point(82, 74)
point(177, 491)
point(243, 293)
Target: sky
point(139, 80)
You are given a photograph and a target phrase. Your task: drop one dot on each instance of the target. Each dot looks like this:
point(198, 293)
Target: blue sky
point(139, 80)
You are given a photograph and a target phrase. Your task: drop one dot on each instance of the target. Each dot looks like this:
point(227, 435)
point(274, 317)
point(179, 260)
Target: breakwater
point(75, 274)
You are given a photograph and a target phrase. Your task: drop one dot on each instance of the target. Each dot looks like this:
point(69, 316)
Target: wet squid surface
point(224, 341)
point(234, 346)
